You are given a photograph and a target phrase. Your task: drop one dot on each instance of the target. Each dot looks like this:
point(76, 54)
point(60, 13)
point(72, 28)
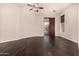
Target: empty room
point(39, 29)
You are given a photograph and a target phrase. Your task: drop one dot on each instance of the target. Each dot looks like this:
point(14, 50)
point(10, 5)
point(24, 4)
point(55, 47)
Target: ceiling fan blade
point(40, 7)
point(30, 5)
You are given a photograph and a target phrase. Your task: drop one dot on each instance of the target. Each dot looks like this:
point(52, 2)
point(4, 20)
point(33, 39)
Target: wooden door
point(52, 27)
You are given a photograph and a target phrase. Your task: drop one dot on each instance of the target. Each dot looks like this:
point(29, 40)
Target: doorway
point(49, 27)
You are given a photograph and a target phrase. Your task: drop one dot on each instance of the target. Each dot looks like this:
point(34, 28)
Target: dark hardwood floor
point(39, 46)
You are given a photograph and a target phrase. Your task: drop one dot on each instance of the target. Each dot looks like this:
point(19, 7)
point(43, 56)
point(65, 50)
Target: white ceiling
point(49, 7)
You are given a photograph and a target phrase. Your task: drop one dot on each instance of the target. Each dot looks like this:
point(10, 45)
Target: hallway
point(39, 46)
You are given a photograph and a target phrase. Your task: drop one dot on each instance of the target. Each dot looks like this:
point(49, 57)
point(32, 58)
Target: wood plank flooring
point(39, 46)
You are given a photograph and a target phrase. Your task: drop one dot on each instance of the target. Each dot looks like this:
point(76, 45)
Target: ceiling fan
point(35, 7)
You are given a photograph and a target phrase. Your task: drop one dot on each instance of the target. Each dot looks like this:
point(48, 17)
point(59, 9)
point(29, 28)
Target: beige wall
point(18, 22)
point(71, 23)
point(30, 23)
point(9, 17)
